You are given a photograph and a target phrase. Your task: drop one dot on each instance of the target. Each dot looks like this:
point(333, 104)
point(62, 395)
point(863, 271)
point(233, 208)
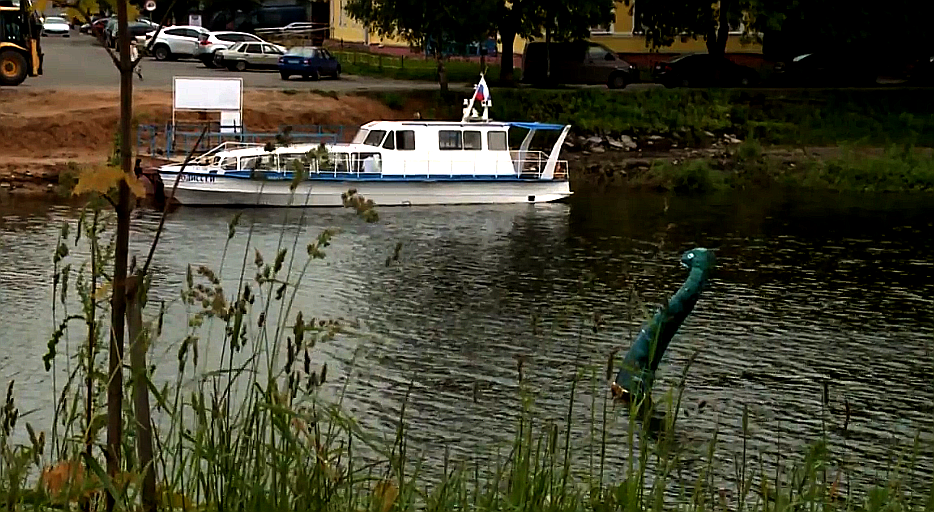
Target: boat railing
point(532, 169)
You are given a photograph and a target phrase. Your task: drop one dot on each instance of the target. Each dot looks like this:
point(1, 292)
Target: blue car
point(309, 62)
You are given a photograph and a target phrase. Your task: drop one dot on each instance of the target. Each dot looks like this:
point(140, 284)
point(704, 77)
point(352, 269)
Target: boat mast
point(469, 114)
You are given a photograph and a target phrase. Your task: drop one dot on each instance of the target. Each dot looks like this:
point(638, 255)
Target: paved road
point(79, 62)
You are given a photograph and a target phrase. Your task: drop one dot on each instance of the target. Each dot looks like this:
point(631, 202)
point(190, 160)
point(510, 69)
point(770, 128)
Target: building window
point(638, 28)
point(450, 139)
point(601, 29)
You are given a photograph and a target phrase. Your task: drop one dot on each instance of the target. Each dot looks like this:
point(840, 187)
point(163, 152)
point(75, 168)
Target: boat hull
point(242, 192)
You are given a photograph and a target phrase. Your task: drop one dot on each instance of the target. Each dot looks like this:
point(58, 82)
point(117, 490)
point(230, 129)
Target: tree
point(426, 23)
point(560, 20)
point(667, 20)
point(127, 186)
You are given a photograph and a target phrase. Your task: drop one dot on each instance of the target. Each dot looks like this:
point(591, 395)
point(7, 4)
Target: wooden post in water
point(138, 344)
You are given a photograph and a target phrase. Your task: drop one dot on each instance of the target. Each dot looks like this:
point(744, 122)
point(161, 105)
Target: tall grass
point(250, 432)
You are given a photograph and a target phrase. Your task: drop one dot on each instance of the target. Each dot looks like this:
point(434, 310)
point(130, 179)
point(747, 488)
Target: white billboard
point(207, 94)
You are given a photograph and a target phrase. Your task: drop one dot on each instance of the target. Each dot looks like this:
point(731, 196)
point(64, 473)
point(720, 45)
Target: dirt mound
point(74, 124)
point(41, 132)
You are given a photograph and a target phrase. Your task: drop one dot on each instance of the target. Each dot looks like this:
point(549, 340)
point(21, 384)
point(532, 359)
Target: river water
point(810, 289)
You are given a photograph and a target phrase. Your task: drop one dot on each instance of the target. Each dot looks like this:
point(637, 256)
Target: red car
point(97, 28)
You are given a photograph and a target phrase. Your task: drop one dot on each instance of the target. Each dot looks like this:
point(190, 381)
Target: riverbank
point(43, 135)
point(681, 140)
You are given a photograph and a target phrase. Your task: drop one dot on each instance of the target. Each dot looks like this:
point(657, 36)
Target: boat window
point(375, 138)
point(405, 140)
point(390, 141)
point(360, 136)
point(496, 141)
point(367, 163)
point(337, 162)
point(229, 164)
point(292, 162)
point(265, 163)
point(473, 140)
point(249, 163)
point(450, 139)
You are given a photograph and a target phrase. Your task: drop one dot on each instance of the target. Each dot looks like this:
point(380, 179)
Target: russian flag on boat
point(483, 92)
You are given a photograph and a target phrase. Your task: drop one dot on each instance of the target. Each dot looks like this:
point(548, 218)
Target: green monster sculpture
point(634, 381)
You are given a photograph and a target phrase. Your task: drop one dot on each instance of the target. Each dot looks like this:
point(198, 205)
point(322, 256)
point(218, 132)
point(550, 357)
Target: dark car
point(135, 28)
point(258, 18)
point(309, 61)
point(826, 70)
point(703, 70)
point(580, 62)
point(97, 28)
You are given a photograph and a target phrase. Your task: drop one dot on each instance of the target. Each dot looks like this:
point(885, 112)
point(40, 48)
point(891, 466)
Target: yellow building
point(623, 36)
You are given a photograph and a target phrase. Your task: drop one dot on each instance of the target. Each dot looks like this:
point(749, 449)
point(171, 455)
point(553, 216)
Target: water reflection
point(809, 290)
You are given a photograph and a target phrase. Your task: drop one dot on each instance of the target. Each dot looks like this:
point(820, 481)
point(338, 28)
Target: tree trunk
point(134, 317)
point(118, 319)
point(506, 68)
point(442, 72)
point(717, 39)
point(548, 54)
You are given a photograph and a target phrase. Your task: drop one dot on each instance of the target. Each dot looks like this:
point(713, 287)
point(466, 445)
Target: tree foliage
point(559, 20)
point(665, 21)
point(425, 23)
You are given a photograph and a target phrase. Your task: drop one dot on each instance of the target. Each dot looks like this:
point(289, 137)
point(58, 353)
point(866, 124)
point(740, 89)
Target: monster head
point(698, 258)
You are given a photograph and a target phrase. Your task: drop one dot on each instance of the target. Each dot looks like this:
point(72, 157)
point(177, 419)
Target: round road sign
point(151, 5)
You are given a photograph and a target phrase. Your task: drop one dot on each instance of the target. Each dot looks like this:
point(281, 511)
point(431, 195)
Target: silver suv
point(210, 43)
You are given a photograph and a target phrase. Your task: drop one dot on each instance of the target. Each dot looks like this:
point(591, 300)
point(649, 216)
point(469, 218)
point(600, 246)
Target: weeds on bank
point(895, 169)
point(773, 117)
point(412, 67)
point(245, 429)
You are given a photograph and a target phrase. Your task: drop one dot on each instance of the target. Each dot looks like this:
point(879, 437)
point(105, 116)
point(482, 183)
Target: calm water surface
point(809, 290)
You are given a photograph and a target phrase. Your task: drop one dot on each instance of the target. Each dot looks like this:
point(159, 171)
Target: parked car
point(55, 26)
point(258, 18)
point(243, 56)
point(826, 70)
point(580, 62)
point(308, 61)
point(98, 26)
point(209, 44)
point(177, 41)
point(703, 70)
point(136, 30)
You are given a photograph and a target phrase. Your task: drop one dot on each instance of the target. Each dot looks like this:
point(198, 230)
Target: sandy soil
point(41, 131)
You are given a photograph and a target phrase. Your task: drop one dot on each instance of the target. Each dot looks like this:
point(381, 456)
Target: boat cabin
point(469, 149)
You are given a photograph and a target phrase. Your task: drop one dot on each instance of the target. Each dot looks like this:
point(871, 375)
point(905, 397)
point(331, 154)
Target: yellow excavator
point(20, 51)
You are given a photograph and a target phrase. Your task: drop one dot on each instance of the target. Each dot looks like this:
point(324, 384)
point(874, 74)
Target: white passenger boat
point(391, 162)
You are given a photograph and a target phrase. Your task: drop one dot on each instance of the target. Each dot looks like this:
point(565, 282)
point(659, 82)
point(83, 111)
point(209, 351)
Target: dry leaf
point(173, 500)
point(103, 179)
point(100, 180)
point(136, 186)
point(62, 476)
point(101, 292)
point(385, 494)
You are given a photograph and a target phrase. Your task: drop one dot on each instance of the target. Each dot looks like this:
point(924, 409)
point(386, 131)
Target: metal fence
point(168, 141)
